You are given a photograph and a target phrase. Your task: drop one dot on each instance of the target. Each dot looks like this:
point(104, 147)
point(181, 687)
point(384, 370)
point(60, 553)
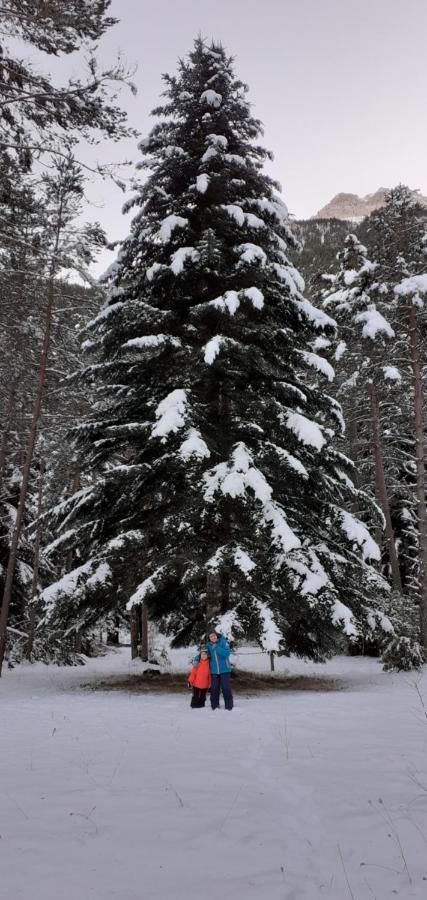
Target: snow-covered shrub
point(402, 654)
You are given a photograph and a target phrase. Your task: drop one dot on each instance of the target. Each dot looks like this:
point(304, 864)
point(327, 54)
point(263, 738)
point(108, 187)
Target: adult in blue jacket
point(219, 657)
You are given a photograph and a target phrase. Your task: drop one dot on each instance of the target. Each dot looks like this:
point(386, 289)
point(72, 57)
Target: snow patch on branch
point(358, 534)
point(168, 226)
point(211, 98)
point(234, 478)
point(319, 363)
point(271, 636)
point(147, 587)
point(170, 414)
point(194, 446)
point(243, 561)
point(391, 373)
point(343, 616)
point(307, 431)
point(414, 286)
point(317, 317)
point(374, 323)
point(180, 257)
point(213, 347)
point(151, 341)
point(202, 183)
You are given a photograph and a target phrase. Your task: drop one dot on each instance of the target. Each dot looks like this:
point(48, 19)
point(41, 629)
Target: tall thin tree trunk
point(214, 597)
point(134, 632)
point(420, 464)
point(381, 487)
point(16, 534)
point(144, 633)
point(75, 486)
point(6, 428)
point(35, 581)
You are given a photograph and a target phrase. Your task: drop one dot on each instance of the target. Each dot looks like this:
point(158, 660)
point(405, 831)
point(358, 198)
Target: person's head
point(213, 637)
point(204, 655)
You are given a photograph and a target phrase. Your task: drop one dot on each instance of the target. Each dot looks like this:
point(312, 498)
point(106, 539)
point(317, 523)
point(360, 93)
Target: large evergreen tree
point(219, 490)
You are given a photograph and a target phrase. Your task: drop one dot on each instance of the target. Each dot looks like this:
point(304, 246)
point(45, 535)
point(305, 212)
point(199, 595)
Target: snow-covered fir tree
point(363, 355)
point(219, 492)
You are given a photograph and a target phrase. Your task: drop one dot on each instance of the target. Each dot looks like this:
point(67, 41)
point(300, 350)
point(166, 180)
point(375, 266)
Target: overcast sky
point(340, 86)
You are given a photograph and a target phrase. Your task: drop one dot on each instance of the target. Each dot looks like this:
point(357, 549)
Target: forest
point(228, 427)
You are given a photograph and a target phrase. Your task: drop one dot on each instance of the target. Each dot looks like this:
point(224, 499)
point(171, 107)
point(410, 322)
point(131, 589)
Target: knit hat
point(203, 649)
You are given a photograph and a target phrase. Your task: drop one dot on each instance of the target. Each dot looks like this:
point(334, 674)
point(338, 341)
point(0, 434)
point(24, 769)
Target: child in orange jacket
point(200, 679)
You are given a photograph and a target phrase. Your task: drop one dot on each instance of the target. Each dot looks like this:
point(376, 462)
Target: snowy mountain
point(350, 207)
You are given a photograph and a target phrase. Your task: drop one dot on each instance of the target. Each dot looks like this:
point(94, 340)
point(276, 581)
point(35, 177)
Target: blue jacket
point(219, 654)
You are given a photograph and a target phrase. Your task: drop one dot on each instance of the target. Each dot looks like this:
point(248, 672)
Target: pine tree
point(64, 247)
point(221, 493)
point(356, 298)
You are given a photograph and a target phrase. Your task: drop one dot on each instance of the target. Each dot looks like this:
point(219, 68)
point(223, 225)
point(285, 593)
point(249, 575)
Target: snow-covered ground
point(119, 796)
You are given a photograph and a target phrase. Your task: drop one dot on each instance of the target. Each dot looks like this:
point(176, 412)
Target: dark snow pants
point(221, 681)
point(198, 698)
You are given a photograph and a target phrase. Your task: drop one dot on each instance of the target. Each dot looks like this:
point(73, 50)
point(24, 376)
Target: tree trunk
point(214, 597)
point(144, 633)
point(75, 486)
point(420, 464)
point(381, 487)
point(134, 632)
point(272, 661)
point(35, 581)
point(6, 429)
point(10, 571)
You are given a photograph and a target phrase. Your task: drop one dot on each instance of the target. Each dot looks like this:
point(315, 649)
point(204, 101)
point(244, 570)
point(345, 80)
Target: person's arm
point(192, 675)
point(222, 647)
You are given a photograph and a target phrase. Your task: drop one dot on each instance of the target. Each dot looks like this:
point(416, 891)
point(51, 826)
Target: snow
point(251, 253)
point(340, 350)
point(357, 532)
point(319, 363)
point(255, 296)
point(213, 347)
point(168, 226)
point(307, 431)
point(291, 460)
point(235, 212)
point(391, 373)
point(90, 573)
point(230, 301)
point(276, 208)
point(374, 323)
point(173, 150)
point(150, 341)
point(170, 414)
point(180, 257)
point(194, 446)
point(295, 795)
point(342, 615)
point(254, 221)
point(212, 98)
point(235, 477)
point(270, 637)
point(209, 154)
point(202, 183)
point(217, 140)
point(105, 313)
point(412, 286)
point(153, 270)
point(317, 317)
point(243, 561)
point(147, 587)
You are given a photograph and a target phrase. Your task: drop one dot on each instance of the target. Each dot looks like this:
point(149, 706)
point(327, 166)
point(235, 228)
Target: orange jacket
point(200, 676)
